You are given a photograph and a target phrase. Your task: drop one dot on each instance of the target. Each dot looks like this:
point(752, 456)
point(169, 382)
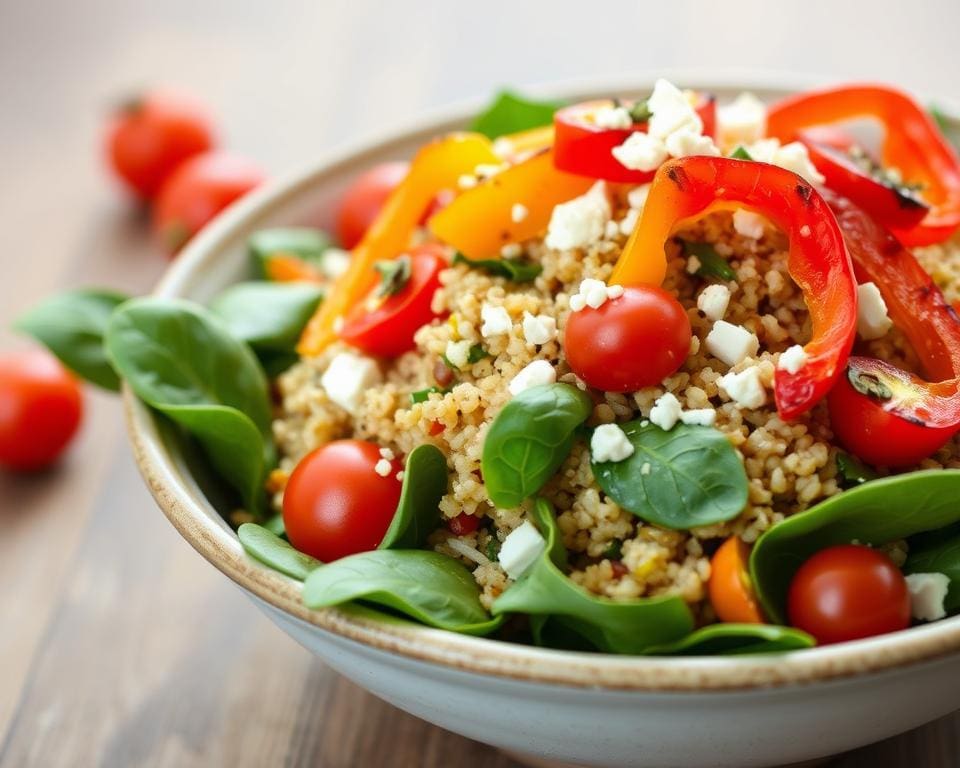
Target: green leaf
point(519, 270)
point(694, 477)
point(394, 275)
point(432, 588)
point(267, 316)
point(510, 112)
point(874, 513)
point(275, 362)
point(740, 153)
point(72, 325)
point(712, 264)
point(852, 471)
point(737, 640)
point(422, 395)
point(297, 242)
point(270, 549)
point(418, 513)
point(564, 610)
point(949, 125)
point(939, 554)
point(529, 440)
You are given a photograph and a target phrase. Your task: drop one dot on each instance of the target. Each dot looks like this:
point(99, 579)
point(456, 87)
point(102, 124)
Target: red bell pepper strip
point(912, 144)
point(896, 406)
point(690, 188)
point(585, 148)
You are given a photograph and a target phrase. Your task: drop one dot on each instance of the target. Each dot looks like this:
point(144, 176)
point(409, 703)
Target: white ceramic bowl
point(589, 709)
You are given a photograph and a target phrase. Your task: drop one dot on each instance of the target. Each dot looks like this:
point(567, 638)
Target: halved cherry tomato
point(385, 327)
point(197, 191)
point(364, 198)
point(731, 593)
point(41, 407)
point(150, 136)
point(336, 503)
point(463, 524)
point(848, 592)
point(630, 342)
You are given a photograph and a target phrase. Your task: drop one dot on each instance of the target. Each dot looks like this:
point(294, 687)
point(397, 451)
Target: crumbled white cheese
point(744, 388)
point(594, 293)
point(743, 121)
point(703, 417)
point(521, 549)
point(685, 143)
point(467, 181)
point(671, 111)
point(511, 250)
point(666, 412)
point(927, 593)
point(496, 321)
point(629, 222)
point(748, 223)
point(539, 329)
point(536, 373)
point(792, 359)
point(486, 170)
point(518, 213)
point(399, 476)
point(458, 352)
point(872, 319)
point(731, 343)
point(693, 265)
point(386, 453)
point(612, 117)
point(335, 262)
point(637, 197)
point(792, 156)
point(713, 301)
point(805, 230)
point(383, 468)
point(645, 468)
point(610, 443)
point(615, 291)
point(348, 377)
point(641, 152)
point(581, 221)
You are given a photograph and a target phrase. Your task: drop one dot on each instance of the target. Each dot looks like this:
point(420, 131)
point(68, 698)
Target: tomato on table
point(149, 137)
point(848, 592)
point(336, 503)
point(730, 590)
point(41, 407)
point(197, 191)
point(630, 342)
point(384, 323)
point(364, 198)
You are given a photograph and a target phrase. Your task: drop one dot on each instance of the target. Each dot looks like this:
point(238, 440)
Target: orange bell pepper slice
point(480, 221)
point(437, 167)
point(291, 269)
point(516, 146)
point(687, 189)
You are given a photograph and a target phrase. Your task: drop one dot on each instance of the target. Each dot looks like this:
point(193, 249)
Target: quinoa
point(790, 466)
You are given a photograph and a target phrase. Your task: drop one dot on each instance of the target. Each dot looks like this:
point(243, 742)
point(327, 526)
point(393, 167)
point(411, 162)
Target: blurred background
point(118, 645)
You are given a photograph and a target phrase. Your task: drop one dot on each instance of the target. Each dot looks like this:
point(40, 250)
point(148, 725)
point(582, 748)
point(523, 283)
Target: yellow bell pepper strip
point(688, 189)
point(482, 220)
point(437, 167)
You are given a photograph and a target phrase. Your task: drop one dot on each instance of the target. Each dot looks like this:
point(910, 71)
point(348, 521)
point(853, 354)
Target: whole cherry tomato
point(848, 592)
point(630, 342)
point(364, 198)
point(149, 137)
point(41, 407)
point(731, 593)
point(336, 503)
point(197, 191)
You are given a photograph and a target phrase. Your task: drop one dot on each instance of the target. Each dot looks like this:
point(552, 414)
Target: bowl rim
point(207, 533)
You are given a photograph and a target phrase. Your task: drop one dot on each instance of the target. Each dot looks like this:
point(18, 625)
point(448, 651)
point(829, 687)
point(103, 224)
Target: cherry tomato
point(364, 198)
point(149, 137)
point(463, 524)
point(848, 592)
point(731, 593)
point(878, 436)
point(385, 327)
point(336, 503)
point(197, 191)
point(41, 407)
point(630, 342)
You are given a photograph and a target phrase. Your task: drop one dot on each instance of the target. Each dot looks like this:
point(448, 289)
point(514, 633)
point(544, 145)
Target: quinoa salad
point(653, 376)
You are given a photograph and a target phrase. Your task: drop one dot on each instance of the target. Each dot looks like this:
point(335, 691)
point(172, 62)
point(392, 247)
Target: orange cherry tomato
point(730, 590)
point(364, 198)
point(149, 137)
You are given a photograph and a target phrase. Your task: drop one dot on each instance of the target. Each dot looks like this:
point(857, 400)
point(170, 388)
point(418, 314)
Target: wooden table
point(119, 645)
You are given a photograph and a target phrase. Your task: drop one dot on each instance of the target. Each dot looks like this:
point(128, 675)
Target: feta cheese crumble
point(872, 319)
point(685, 143)
point(347, 378)
point(594, 293)
point(612, 117)
point(579, 222)
point(496, 321)
point(641, 152)
point(927, 593)
point(743, 121)
point(702, 417)
point(387, 454)
point(792, 156)
point(518, 213)
point(539, 329)
point(748, 223)
point(458, 353)
point(792, 359)
point(610, 443)
point(666, 412)
point(671, 111)
point(521, 549)
point(713, 301)
point(637, 197)
point(731, 343)
point(383, 468)
point(536, 373)
point(335, 262)
point(744, 388)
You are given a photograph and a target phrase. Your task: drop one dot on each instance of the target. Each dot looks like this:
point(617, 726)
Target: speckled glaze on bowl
point(588, 709)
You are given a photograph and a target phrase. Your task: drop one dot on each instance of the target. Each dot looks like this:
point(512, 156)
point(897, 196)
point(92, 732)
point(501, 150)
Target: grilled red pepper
point(585, 148)
point(692, 187)
point(883, 414)
point(912, 144)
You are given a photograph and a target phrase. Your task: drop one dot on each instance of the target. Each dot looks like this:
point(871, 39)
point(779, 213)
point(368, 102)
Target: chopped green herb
point(493, 549)
point(422, 395)
point(852, 471)
point(510, 112)
point(394, 274)
point(614, 551)
point(740, 153)
point(712, 264)
point(640, 112)
point(476, 354)
point(519, 270)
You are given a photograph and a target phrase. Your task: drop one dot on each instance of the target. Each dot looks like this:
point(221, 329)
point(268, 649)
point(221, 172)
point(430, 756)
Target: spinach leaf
point(941, 556)
point(267, 316)
point(72, 326)
point(694, 477)
point(529, 439)
point(518, 269)
point(418, 513)
point(875, 513)
point(297, 242)
point(510, 112)
point(712, 264)
point(852, 471)
point(737, 640)
point(182, 361)
point(275, 362)
point(270, 549)
point(949, 125)
point(562, 610)
point(740, 153)
point(427, 586)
